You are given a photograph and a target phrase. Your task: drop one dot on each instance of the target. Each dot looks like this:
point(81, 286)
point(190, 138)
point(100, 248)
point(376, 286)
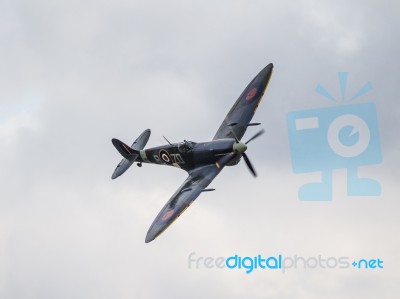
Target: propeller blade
point(256, 135)
point(248, 163)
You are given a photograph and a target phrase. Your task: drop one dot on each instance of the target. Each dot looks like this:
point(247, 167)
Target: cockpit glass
point(186, 146)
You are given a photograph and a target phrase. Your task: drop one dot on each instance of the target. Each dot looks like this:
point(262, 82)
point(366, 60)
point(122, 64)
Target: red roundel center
point(167, 215)
point(165, 158)
point(251, 94)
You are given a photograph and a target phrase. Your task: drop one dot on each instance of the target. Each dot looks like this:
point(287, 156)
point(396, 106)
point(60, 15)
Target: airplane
point(203, 160)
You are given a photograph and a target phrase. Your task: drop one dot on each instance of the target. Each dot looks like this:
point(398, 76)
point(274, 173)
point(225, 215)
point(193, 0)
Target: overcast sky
point(74, 74)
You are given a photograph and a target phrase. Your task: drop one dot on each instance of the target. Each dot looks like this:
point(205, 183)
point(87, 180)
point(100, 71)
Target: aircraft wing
point(244, 108)
point(198, 180)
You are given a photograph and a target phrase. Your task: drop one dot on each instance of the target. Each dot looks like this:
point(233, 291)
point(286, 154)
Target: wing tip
point(149, 237)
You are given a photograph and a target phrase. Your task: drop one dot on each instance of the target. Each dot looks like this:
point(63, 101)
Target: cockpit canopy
point(186, 146)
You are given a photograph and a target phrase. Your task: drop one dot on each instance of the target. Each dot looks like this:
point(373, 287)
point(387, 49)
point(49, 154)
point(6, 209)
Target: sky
point(74, 74)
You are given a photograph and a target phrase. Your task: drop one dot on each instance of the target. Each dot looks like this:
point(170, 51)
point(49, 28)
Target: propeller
point(249, 165)
point(262, 131)
point(245, 157)
point(241, 147)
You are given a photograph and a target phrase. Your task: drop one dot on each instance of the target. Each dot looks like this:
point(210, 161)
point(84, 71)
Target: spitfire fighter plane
point(203, 160)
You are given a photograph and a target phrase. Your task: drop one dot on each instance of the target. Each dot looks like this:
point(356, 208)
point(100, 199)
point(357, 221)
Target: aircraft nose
point(239, 147)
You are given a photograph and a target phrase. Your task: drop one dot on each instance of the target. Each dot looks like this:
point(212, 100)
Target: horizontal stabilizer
point(141, 141)
point(121, 168)
point(130, 153)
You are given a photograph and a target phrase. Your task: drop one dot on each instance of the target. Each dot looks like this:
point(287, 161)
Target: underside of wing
point(240, 115)
point(191, 188)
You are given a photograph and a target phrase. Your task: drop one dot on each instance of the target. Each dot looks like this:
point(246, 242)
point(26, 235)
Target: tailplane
point(130, 153)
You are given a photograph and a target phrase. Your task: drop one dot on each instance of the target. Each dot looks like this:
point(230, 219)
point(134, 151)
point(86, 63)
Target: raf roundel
point(251, 94)
point(167, 215)
point(165, 157)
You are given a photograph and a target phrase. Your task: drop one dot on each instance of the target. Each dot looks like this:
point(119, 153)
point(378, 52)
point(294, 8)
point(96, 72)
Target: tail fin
point(130, 153)
point(125, 150)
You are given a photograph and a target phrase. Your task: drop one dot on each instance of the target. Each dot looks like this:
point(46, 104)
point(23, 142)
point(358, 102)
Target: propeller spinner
point(241, 147)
